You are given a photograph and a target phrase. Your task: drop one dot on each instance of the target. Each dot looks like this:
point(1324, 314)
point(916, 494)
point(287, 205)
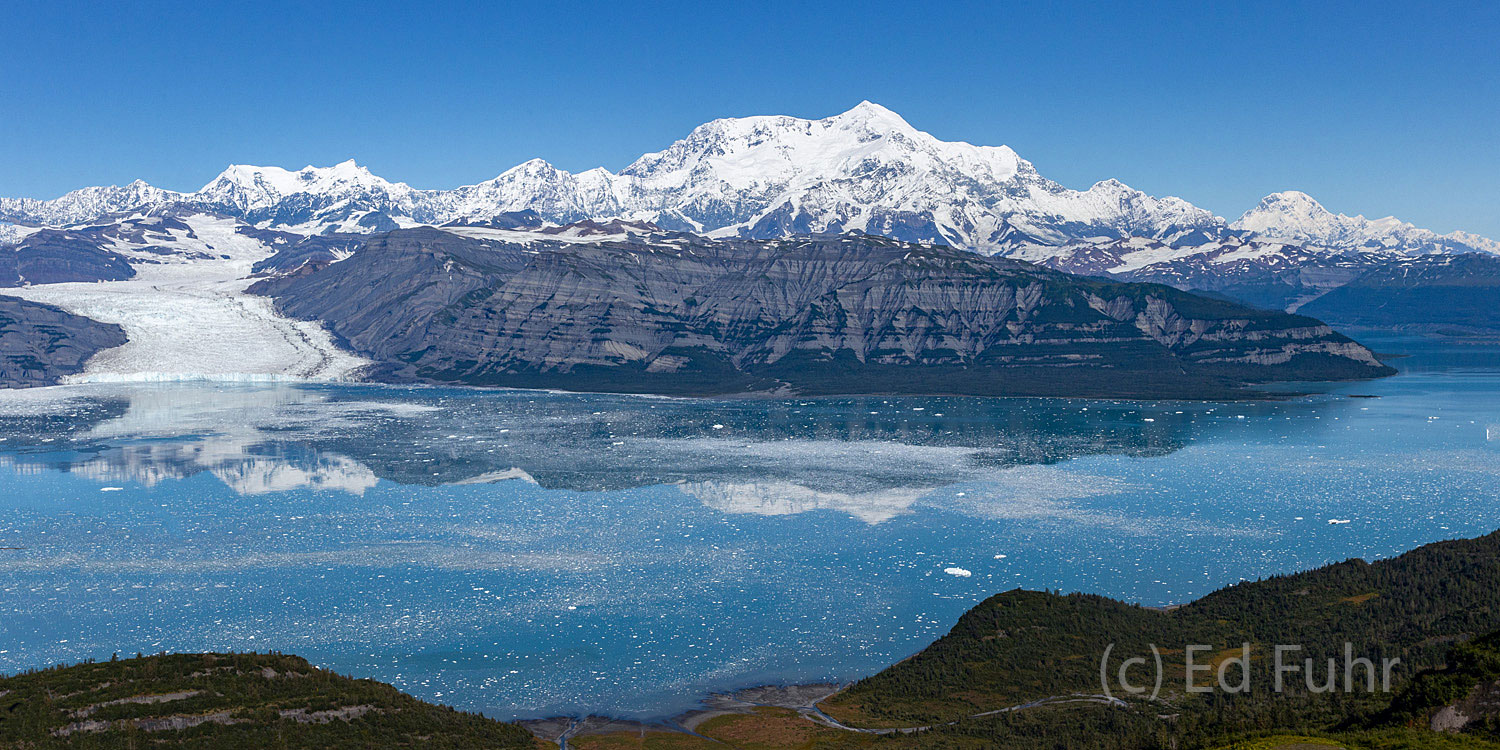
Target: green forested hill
point(226, 701)
point(1022, 646)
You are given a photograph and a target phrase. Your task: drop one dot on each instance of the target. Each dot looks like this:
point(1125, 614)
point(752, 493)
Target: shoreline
point(803, 699)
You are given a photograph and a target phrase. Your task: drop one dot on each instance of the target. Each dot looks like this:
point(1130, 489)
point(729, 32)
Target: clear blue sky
point(1371, 107)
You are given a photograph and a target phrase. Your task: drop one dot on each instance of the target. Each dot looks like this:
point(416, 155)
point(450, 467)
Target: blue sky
point(1370, 107)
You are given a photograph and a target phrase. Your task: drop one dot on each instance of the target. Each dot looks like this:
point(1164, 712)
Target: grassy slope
point(1020, 646)
point(251, 692)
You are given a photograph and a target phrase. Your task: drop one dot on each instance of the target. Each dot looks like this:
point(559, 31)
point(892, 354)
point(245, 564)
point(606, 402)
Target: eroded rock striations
point(679, 313)
point(39, 344)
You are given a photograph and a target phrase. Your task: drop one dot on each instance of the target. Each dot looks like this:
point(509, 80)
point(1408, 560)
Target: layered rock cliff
point(39, 344)
point(679, 313)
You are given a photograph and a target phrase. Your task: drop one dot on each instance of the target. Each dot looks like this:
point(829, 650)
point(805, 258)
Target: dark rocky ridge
point(677, 313)
point(39, 344)
point(54, 256)
point(91, 253)
point(1447, 293)
point(1282, 280)
point(293, 250)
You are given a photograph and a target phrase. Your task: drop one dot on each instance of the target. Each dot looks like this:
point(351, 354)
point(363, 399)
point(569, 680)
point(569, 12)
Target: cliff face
point(39, 344)
point(677, 313)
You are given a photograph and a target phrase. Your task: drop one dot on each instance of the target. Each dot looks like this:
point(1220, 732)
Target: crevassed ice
point(192, 319)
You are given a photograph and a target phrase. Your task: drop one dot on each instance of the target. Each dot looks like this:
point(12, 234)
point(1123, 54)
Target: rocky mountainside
point(1274, 274)
point(679, 313)
point(1444, 293)
point(39, 344)
point(105, 252)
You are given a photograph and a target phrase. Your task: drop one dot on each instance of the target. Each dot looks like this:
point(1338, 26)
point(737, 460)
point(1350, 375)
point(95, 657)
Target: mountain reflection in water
point(869, 457)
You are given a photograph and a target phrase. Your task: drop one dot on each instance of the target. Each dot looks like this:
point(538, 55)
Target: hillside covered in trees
point(228, 701)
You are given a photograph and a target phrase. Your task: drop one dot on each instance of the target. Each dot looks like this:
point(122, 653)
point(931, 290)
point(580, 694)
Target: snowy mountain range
point(866, 170)
point(1295, 217)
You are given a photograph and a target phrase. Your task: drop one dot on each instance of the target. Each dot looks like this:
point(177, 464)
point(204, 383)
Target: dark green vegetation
point(1021, 646)
point(677, 313)
point(225, 701)
point(1464, 694)
point(40, 343)
point(1443, 293)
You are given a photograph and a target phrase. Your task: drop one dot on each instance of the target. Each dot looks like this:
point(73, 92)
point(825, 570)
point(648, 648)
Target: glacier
point(189, 317)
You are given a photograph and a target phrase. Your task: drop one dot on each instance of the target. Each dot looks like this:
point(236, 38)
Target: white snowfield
point(190, 319)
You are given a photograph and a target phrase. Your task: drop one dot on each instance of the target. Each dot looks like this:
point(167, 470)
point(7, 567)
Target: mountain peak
point(347, 169)
point(1292, 215)
point(532, 169)
point(868, 111)
point(1286, 199)
point(280, 182)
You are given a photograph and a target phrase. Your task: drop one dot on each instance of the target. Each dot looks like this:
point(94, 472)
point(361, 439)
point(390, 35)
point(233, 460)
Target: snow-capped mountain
point(866, 170)
point(311, 195)
point(1294, 216)
point(86, 204)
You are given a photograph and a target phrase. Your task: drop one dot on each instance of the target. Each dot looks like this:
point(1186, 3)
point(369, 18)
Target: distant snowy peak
point(869, 170)
point(1294, 216)
point(865, 170)
point(750, 151)
point(249, 188)
point(84, 205)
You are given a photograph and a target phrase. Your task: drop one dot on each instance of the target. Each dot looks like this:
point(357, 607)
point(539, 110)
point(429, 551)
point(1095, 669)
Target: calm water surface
point(534, 554)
